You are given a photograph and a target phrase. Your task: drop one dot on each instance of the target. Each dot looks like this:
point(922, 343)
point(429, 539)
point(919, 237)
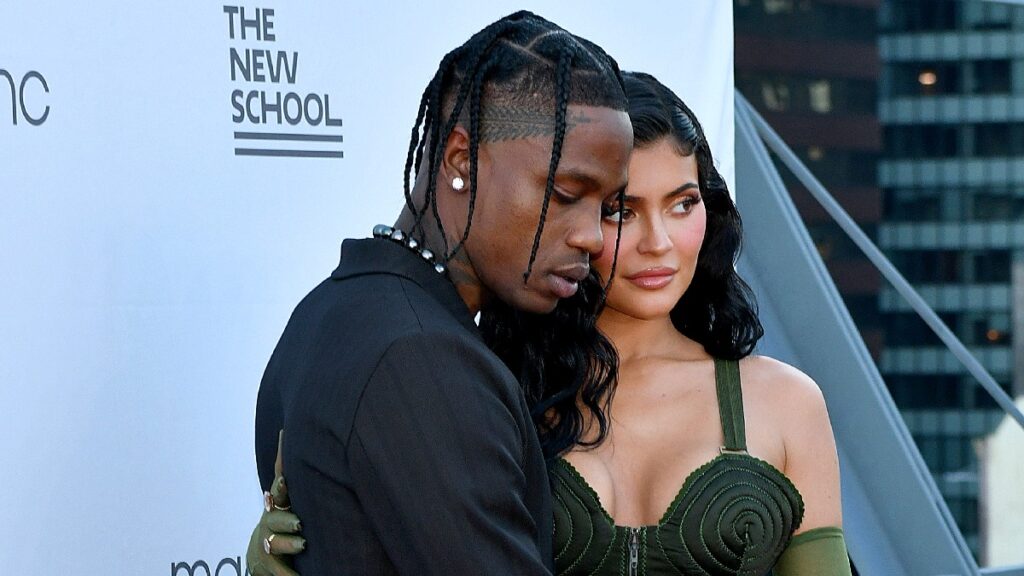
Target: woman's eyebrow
point(681, 189)
point(671, 194)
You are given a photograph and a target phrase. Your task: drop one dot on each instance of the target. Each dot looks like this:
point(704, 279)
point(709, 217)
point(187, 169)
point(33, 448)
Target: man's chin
point(535, 303)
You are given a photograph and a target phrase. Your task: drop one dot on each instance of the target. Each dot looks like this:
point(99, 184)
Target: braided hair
point(515, 79)
point(718, 310)
point(521, 68)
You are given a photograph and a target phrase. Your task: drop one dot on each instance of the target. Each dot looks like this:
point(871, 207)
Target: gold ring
point(266, 543)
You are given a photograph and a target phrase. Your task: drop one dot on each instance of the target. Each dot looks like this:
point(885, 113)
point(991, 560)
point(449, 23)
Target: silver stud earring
point(458, 183)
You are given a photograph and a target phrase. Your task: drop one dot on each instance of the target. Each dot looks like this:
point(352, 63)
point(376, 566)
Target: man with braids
point(719, 462)
point(409, 447)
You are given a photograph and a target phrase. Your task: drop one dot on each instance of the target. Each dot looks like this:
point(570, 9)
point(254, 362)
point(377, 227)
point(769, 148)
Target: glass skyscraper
point(911, 112)
point(811, 69)
point(951, 103)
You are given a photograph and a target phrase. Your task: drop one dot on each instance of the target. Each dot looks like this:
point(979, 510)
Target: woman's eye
point(685, 206)
point(615, 213)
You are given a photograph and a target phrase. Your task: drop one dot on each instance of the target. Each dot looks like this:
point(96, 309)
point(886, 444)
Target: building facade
point(810, 67)
point(951, 103)
point(911, 113)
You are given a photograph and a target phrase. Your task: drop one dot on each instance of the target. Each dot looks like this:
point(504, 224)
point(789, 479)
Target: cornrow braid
point(434, 134)
point(428, 106)
point(431, 132)
point(603, 56)
point(594, 48)
point(414, 148)
point(436, 90)
point(465, 90)
point(474, 149)
point(621, 202)
point(511, 67)
point(562, 104)
point(515, 79)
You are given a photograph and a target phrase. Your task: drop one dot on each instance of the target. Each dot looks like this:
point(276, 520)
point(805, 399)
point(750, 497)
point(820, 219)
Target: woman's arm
point(811, 463)
point(811, 460)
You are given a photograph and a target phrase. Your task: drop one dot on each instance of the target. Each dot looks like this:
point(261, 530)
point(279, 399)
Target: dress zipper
point(634, 551)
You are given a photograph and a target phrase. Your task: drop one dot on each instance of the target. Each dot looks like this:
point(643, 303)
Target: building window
point(951, 452)
point(992, 76)
point(911, 391)
point(982, 399)
point(925, 78)
point(778, 6)
point(908, 329)
point(929, 266)
point(998, 139)
point(933, 15)
point(992, 266)
point(912, 204)
point(965, 510)
point(775, 95)
point(948, 266)
point(981, 203)
point(992, 329)
point(778, 93)
point(987, 16)
point(821, 96)
point(995, 205)
point(923, 141)
point(835, 167)
point(805, 19)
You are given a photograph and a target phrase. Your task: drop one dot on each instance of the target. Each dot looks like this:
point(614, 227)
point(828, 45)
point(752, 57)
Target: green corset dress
point(732, 516)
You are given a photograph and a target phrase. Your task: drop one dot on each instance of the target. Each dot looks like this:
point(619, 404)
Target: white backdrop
point(146, 270)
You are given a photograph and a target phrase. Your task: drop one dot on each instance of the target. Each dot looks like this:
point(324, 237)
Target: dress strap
point(730, 404)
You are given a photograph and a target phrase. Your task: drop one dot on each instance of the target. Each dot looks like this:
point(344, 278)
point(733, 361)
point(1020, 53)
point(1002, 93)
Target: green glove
point(817, 552)
point(275, 538)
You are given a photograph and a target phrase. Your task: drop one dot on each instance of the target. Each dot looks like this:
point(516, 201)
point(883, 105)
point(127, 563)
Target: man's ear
point(455, 159)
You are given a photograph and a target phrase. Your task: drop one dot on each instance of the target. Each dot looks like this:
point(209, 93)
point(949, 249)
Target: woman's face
point(663, 224)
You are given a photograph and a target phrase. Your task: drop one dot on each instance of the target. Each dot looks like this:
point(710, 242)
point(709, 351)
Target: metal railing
point(1017, 570)
point(770, 141)
point(875, 255)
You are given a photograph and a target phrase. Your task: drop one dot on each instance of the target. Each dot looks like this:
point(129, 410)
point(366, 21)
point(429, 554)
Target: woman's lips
point(653, 278)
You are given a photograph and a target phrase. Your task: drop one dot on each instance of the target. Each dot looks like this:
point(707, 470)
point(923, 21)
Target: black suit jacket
point(408, 447)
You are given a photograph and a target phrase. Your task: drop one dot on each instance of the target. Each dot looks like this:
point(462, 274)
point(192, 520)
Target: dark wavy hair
point(718, 310)
point(562, 361)
point(567, 368)
point(525, 65)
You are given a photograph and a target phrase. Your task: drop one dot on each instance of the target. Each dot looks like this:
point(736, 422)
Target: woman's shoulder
point(792, 403)
point(779, 379)
point(785, 389)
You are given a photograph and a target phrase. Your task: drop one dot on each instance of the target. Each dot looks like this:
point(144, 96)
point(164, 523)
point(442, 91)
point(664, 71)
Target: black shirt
point(409, 448)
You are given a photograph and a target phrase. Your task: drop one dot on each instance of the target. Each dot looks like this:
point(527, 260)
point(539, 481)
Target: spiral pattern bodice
point(733, 516)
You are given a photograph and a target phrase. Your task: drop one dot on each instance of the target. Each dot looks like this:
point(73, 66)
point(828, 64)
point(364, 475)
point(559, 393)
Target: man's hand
point(275, 538)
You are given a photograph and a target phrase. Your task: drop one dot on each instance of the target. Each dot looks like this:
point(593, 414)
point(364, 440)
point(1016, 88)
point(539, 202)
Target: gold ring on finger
point(266, 543)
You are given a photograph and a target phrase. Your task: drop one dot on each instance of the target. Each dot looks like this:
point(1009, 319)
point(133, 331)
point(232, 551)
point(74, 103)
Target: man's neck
point(460, 269)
